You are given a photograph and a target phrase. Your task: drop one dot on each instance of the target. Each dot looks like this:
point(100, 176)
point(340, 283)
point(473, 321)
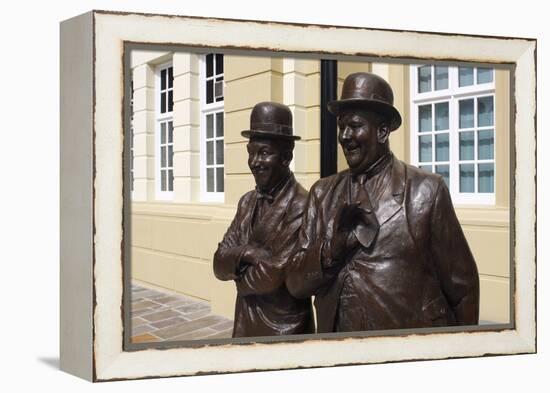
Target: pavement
point(160, 315)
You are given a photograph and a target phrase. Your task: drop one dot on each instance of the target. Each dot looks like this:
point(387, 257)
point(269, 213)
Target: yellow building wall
point(173, 245)
point(173, 242)
point(301, 92)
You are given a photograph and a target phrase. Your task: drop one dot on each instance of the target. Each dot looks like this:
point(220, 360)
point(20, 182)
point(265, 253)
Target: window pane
point(484, 75)
point(424, 79)
point(443, 170)
point(219, 152)
point(441, 77)
point(424, 118)
point(209, 65)
point(485, 111)
point(427, 168)
point(170, 77)
point(467, 178)
point(209, 126)
point(465, 76)
point(162, 102)
point(218, 89)
point(219, 63)
point(170, 180)
point(170, 132)
point(486, 179)
point(163, 79)
point(163, 133)
point(210, 153)
point(219, 124)
point(425, 148)
point(485, 145)
point(442, 147)
point(219, 179)
point(209, 91)
point(466, 146)
point(210, 179)
point(466, 113)
point(442, 116)
point(163, 180)
point(170, 100)
point(163, 157)
point(170, 156)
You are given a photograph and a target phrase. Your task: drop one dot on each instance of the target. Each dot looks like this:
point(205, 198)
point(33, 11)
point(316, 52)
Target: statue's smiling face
point(266, 162)
point(360, 138)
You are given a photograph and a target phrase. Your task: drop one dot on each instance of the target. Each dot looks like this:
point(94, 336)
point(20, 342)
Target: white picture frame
point(92, 53)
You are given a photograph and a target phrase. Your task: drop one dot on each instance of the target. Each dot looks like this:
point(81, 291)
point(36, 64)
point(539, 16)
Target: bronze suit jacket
point(264, 307)
point(418, 271)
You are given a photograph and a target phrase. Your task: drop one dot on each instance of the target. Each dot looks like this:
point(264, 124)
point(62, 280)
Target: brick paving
point(159, 315)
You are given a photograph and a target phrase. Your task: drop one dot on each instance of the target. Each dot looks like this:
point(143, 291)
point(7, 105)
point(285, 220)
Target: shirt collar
point(377, 167)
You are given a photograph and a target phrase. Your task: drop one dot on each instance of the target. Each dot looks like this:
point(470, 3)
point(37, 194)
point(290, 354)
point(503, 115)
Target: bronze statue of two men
point(377, 245)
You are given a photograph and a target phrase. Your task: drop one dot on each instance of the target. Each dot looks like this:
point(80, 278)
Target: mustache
point(350, 145)
point(258, 168)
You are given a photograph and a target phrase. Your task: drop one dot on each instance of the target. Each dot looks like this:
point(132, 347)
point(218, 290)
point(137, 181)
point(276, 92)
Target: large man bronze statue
point(258, 245)
point(380, 245)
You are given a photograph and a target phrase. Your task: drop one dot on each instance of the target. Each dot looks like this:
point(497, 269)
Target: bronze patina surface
point(380, 245)
point(257, 247)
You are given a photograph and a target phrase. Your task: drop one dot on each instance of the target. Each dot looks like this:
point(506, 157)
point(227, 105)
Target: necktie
point(367, 225)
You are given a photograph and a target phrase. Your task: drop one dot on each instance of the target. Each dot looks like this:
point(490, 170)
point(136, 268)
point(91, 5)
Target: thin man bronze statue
point(258, 245)
point(380, 245)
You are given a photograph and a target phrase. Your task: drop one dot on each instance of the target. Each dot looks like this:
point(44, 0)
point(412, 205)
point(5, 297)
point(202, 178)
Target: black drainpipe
point(329, 134)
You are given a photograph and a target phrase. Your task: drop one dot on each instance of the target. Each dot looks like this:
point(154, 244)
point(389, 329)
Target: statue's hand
point(255, 255)
point(343, 239)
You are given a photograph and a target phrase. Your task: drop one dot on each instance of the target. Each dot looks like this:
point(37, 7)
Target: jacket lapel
point(392, 197)
point(248, 217)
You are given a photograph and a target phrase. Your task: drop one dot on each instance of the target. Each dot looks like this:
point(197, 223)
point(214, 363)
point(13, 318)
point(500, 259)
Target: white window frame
point(453, 94)
point(161, 118)
point(207, 109)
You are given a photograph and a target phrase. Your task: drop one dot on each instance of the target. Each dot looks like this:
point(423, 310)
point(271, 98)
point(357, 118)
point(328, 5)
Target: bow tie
point(261, 195)
point(270, 195)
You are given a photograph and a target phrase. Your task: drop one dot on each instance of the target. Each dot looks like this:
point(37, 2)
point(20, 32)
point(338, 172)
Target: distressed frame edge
point(525, 202)
point(526, 337)
point(76, 172)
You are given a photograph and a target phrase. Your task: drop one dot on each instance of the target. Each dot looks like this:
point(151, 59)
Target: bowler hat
point(270, 120)
point(363, 90)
